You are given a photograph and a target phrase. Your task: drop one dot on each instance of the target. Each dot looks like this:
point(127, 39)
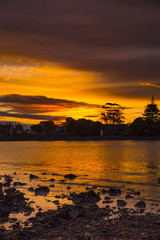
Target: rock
point(31, 176)
point(128, 196)
point(70, 212)
point(52, 180)
point(85, 197)
point(43, 191)
point(56, 202)
point(19, 184)
point(68, 188)
point(107, 198)
point(58, 196)
point(10, 191)
point(70, 176)
point(8, 178)
point(52, 185)
point(140, 204)
point(114, 191)
point(103, 191)
point(159, 180)
point(31, 189)
point(121, 203)
point(137, 193)
point(15, 196)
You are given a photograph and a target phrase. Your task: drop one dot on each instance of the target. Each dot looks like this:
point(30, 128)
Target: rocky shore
point(82, 220)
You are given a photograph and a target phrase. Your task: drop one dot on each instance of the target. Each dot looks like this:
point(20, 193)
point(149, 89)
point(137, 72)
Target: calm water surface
point(126, 164)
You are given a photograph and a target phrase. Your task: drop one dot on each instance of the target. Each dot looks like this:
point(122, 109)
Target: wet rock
point(121, 203)
point(137, 193)
point(52, 180)
point(19, 184)
point(10, 190)
point(43, 191)
point(128, 196)
point(140, 204)
point(56, 202)
point(107, 198)
point(32, 177)
point(107, 201)
point(114, 191)
point(31, 189)
point(70, 176)
point(70, 212)
point(8, 178)
point(103, 191)
point(15, 196)
point(58, 196)
point(62, 181)
point(85, 197)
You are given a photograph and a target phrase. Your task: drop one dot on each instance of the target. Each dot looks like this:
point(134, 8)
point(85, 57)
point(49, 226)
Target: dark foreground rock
point(12, 201)
point(87, 222)
point(43, 191)
point(140, 204)
point(89, 197)
point(114, 191)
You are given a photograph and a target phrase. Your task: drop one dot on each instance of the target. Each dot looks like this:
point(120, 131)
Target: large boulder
point(85, 197)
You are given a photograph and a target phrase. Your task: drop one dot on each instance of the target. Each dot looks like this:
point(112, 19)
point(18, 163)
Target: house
point(6, 129)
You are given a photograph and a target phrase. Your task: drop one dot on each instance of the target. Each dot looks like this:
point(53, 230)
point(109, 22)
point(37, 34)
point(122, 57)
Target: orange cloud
point(148, 84)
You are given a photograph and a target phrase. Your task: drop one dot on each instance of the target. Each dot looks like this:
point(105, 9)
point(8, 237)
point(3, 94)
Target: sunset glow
point(76, 58)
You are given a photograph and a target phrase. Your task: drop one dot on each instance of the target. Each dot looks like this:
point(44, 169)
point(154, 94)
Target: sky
point(63, 58)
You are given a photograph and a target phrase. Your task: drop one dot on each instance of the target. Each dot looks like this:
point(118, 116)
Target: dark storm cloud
point(121, 39)
point(140, 91)
point(29, 116)
point(31, 106)
point(42, 100)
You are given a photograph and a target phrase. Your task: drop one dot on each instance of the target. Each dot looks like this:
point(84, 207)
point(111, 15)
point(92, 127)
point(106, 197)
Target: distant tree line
point(113, 123)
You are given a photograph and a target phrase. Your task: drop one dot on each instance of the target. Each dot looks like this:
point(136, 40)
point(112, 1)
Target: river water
point(129, 165)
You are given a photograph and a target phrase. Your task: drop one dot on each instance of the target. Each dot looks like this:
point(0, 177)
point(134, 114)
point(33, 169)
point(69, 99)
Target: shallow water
point(130, 165)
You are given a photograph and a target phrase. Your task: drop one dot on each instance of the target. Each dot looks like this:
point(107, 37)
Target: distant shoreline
point(76, 138)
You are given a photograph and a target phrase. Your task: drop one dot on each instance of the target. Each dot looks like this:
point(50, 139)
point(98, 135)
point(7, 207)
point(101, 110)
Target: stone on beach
point(32, 176)
point(42, 190)
point(19, 184)
point(121, 203)
point(114, 191)
point(70, 176)
point(140, 204)
point(85, 197)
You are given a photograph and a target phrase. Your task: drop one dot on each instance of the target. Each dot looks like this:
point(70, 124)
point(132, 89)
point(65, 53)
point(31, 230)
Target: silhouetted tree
point(70, 123)
point(113, 113)
point(151, 112)
point(44, 126)
point(83, 127)
point(96, 128)
point(48, 126)
point(138, 126)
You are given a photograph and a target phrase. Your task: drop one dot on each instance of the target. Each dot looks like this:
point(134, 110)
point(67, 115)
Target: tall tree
point(113, 113)
point(151, 112)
